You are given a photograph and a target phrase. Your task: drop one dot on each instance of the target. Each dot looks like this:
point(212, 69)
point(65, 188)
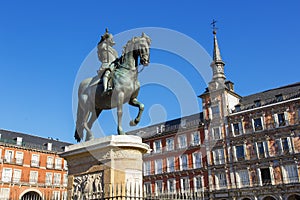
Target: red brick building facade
point(30, 167)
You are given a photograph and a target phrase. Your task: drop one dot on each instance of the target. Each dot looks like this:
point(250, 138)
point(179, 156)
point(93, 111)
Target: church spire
point(217, 64)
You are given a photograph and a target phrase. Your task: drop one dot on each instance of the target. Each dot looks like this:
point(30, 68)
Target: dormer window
point(257, 103)
point(237, 108)
point(279, 97)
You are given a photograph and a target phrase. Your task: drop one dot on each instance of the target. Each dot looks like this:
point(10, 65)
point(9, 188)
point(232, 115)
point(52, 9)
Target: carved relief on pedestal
point(88, 186)
point(121, 153)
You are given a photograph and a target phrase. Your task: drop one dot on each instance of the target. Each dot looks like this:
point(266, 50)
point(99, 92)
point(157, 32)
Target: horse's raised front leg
point(120, 112)
point(134, 102)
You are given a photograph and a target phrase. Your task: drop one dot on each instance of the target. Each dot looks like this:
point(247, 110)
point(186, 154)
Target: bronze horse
point(91, 100)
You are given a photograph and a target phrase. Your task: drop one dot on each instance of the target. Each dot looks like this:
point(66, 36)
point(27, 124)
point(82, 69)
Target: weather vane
point(214, 26)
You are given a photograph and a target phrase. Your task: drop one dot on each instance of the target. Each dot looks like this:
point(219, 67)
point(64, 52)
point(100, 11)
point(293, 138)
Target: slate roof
point(31, 141)
point(169, 126)
point(271, 96)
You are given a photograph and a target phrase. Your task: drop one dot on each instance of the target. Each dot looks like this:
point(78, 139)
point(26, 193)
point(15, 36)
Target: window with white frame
point(218, 156)
point(19, 157)
point(261, 149)
point(64, 195)
point(182, 143)
point(237, 128)
point(65, 165)
point(158, 187)
point(195, 138)
point(147, 187)
point(281, 119)
point(170, 144)
point(185, 184)
point(158, 166)
point(49, 162)
point(6, 174)
point(286, 143)
point(9, 155)
point(216, 133)
point(197, 160)
point(239, 152)
point(257, 124)
point(56, 195)
point(17, 175)
point(147, 168)
point(198, 183)
point(243, 178)
point(157, 146)
point(221, 182)
point(35, 160)
point(33, 178)
point(184, 162)
point(65, 180)
point(57, 178)
point(171, 185)
point(48, 179)
point(0, 154)
point(4, 193)
point(58, 163)
point(170, 164)
point(291, 174)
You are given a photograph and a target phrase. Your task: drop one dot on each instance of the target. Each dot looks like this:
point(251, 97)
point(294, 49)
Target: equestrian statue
point(116, 84)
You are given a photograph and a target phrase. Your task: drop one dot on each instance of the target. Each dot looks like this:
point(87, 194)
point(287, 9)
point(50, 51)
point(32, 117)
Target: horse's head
point(139, 47)
point(142, 46)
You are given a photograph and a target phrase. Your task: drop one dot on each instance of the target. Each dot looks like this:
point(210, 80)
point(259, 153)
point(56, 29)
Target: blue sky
point(44, 43)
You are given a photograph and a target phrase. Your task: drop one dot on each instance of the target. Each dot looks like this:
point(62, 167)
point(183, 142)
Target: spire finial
point(214, 26)
point(106, 30)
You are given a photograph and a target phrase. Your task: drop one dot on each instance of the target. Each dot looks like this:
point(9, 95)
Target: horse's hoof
point(121, 133)
point(132, 123)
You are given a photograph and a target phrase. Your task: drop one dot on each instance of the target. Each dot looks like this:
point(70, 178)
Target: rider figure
point(106, 54)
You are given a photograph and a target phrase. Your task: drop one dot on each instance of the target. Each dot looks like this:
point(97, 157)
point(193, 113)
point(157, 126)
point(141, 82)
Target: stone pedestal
point(105, 167)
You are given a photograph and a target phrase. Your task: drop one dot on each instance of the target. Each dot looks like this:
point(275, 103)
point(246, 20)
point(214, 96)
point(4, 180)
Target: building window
point(58, 162)
point(9, 155)
point(33, 178)
point(171, 164)
point(17, 175)
point(261, 150)
point(279, 97)
point(35, 159)
point(19, 158)
point(197, 183)
point(265, 176)
point(57, 178)
point(147, 168)
point(195, 138)
point(197, 160)
point(158, 166)
point(216, 133)
point(291, 174)
point(215, 110)
point(49, 162)
point(182, 141)
point(257, 124)
point(158, 187)
point(64, 195)
point(6, 174)
point(48, 180)
point(243, 178)
point(257, 103)
point(157, 146)
point(171, 184)
point(285, 145)
point(184, 162)
point(65, 180)
point(237, 108)
point(4, 193)
point(147, 188)
point(221, 182)
point(56, 195)
point(240, 152)
point(65, 165)
point(170, 144)
point(218, 156)
point(185, 184)
point(236, 128)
